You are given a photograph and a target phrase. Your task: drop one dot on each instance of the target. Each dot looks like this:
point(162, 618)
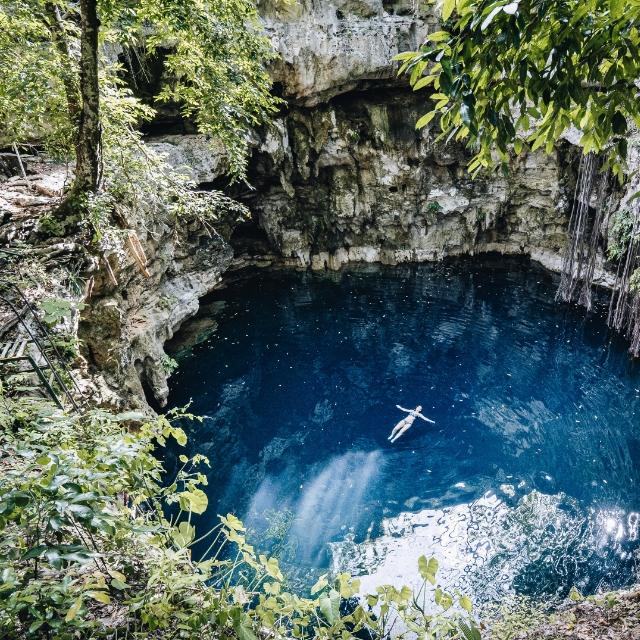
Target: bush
point(619, 234)
point(86, 552)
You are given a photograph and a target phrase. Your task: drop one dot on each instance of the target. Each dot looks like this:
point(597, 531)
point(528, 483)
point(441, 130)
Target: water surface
point(528, 481)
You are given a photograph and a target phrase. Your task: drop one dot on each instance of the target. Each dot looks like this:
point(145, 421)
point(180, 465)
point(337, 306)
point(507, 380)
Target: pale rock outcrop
point(196, 156)
point(341, 176)
point(352, 180)
point(330, 47)
point(127, 323)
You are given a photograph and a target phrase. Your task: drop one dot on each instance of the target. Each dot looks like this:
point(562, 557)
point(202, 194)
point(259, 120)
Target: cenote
point(527, 483)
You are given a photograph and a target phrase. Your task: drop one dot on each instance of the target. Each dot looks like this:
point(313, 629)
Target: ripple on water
point(528, 481)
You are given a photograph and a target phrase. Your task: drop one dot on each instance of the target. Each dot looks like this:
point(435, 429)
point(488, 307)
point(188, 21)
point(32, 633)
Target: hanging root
point(585, 236)
point(138, 253)
point(577, 255)
point(624, 307)
point(601, 216)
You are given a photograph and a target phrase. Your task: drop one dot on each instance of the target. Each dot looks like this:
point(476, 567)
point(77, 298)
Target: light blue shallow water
point(529, 480)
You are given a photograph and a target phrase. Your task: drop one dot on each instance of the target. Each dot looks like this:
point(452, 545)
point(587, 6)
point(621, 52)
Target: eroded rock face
point(342, 175)
point(352, 180)
point(196, 156)
point(128, 322)
point(326, 48)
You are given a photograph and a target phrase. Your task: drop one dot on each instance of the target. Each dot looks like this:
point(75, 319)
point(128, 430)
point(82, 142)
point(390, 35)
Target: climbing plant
point(506, 75)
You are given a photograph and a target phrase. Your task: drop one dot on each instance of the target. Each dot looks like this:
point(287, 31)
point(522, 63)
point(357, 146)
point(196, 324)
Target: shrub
point(87, 552)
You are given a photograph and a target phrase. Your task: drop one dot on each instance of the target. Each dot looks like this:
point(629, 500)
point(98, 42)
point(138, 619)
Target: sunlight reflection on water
point(486, 547)
point(319, 512)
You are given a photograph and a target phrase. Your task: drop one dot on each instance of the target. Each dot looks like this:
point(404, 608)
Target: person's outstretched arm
point(426, 419)
point(403, 409)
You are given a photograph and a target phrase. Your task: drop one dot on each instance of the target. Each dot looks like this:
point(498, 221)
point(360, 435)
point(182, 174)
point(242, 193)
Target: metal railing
point(43, 342)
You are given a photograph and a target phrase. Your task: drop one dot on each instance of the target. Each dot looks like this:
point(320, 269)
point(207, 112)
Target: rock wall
point(128, 321)
point(341, 175)
point(330, 47)
point(352, 180)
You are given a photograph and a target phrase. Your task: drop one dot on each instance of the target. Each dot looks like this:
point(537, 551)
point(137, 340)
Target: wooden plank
point(14, 347)
point(21, 347)
point(5, 349)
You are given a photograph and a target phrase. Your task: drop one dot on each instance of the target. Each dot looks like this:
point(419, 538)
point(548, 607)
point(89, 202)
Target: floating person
point(406, 423)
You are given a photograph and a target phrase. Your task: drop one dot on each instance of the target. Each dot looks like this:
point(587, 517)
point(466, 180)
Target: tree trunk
point(58, 32)
point(88, 136)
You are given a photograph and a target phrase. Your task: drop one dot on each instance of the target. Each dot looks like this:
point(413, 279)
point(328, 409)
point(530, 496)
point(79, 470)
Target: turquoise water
point(529, 480)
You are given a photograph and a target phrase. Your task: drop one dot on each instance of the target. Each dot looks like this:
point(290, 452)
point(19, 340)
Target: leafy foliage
point(506, 75)
point(213, 54)
point(214, 66)
point(138, 185)
point(85, 550)
point(619, 234)
point(32, 95)
point(55, 310)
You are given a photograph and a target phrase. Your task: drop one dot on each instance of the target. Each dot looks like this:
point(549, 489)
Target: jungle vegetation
point(69, 70)
point(506, 76)
point(86, 547)
point(87, 550)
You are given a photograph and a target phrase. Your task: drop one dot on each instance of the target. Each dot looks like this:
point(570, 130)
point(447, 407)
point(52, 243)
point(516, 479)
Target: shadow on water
point(527, 482)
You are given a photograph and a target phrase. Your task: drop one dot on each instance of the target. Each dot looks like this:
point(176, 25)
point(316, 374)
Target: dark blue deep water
point(527, 483)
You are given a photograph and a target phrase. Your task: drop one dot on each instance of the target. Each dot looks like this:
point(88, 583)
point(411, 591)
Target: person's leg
point(404, 428)
point(397, 428)
point(407, 425)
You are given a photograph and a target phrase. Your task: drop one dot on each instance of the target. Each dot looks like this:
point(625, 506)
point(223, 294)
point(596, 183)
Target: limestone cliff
point(352, 180)
point(341, 175)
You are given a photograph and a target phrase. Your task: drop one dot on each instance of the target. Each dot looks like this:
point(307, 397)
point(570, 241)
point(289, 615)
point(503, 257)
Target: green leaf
point(423, 82)
point(407, 55)
point(466, 604)
point(617, 7)
point(243, 629)
point(183, 535)
point(448, 8)
point(470, 631)
point(428, 568)
point(232, 522)
point(179, 435)
point(99, 596)
point(34, 552)
point(330, 606)
point(438, 36)
point(271, 567)
point(426, 119)
point(74, 609)
point(194, 501)
point(80, 511)
point(320, 584)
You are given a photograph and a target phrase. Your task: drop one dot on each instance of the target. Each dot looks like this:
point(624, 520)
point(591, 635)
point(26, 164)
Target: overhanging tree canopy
point(512, 75)
point(55, 54)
